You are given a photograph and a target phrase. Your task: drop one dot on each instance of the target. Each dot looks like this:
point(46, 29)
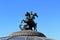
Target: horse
point(29, 21)
point(31, 24)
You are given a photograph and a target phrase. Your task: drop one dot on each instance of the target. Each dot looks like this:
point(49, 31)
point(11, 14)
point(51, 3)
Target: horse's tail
point(20, 27)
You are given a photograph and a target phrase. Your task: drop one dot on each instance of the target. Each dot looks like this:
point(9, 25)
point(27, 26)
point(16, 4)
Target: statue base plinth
point(28, 33)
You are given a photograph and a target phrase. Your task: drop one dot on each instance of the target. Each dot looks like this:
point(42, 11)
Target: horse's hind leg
point(35, 27)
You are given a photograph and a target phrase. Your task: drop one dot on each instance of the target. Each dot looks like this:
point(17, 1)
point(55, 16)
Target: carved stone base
point(28, 33)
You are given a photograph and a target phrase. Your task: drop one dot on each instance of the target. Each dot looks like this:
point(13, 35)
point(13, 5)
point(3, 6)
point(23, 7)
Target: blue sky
point(12, 12)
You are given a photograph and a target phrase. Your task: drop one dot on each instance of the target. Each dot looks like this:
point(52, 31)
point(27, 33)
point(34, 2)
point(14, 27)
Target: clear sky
point(12, 12)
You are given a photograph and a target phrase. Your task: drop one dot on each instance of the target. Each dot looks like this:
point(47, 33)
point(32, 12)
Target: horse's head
point(35, 15)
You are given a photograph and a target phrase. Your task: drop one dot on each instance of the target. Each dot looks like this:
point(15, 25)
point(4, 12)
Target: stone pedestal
point(26, 35)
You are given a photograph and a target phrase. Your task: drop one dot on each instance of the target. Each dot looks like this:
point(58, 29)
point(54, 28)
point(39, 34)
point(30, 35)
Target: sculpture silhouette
point(29, 22)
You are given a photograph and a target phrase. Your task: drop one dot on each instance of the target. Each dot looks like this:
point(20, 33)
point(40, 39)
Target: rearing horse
point(29, 20)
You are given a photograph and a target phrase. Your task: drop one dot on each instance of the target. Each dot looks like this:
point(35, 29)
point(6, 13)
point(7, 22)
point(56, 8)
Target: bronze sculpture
point(29, 22)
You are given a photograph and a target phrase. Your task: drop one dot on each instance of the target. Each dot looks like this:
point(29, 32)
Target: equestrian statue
point(29, 22)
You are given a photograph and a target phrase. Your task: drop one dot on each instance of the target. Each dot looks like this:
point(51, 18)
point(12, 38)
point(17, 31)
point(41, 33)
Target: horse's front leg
point(24, 21)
